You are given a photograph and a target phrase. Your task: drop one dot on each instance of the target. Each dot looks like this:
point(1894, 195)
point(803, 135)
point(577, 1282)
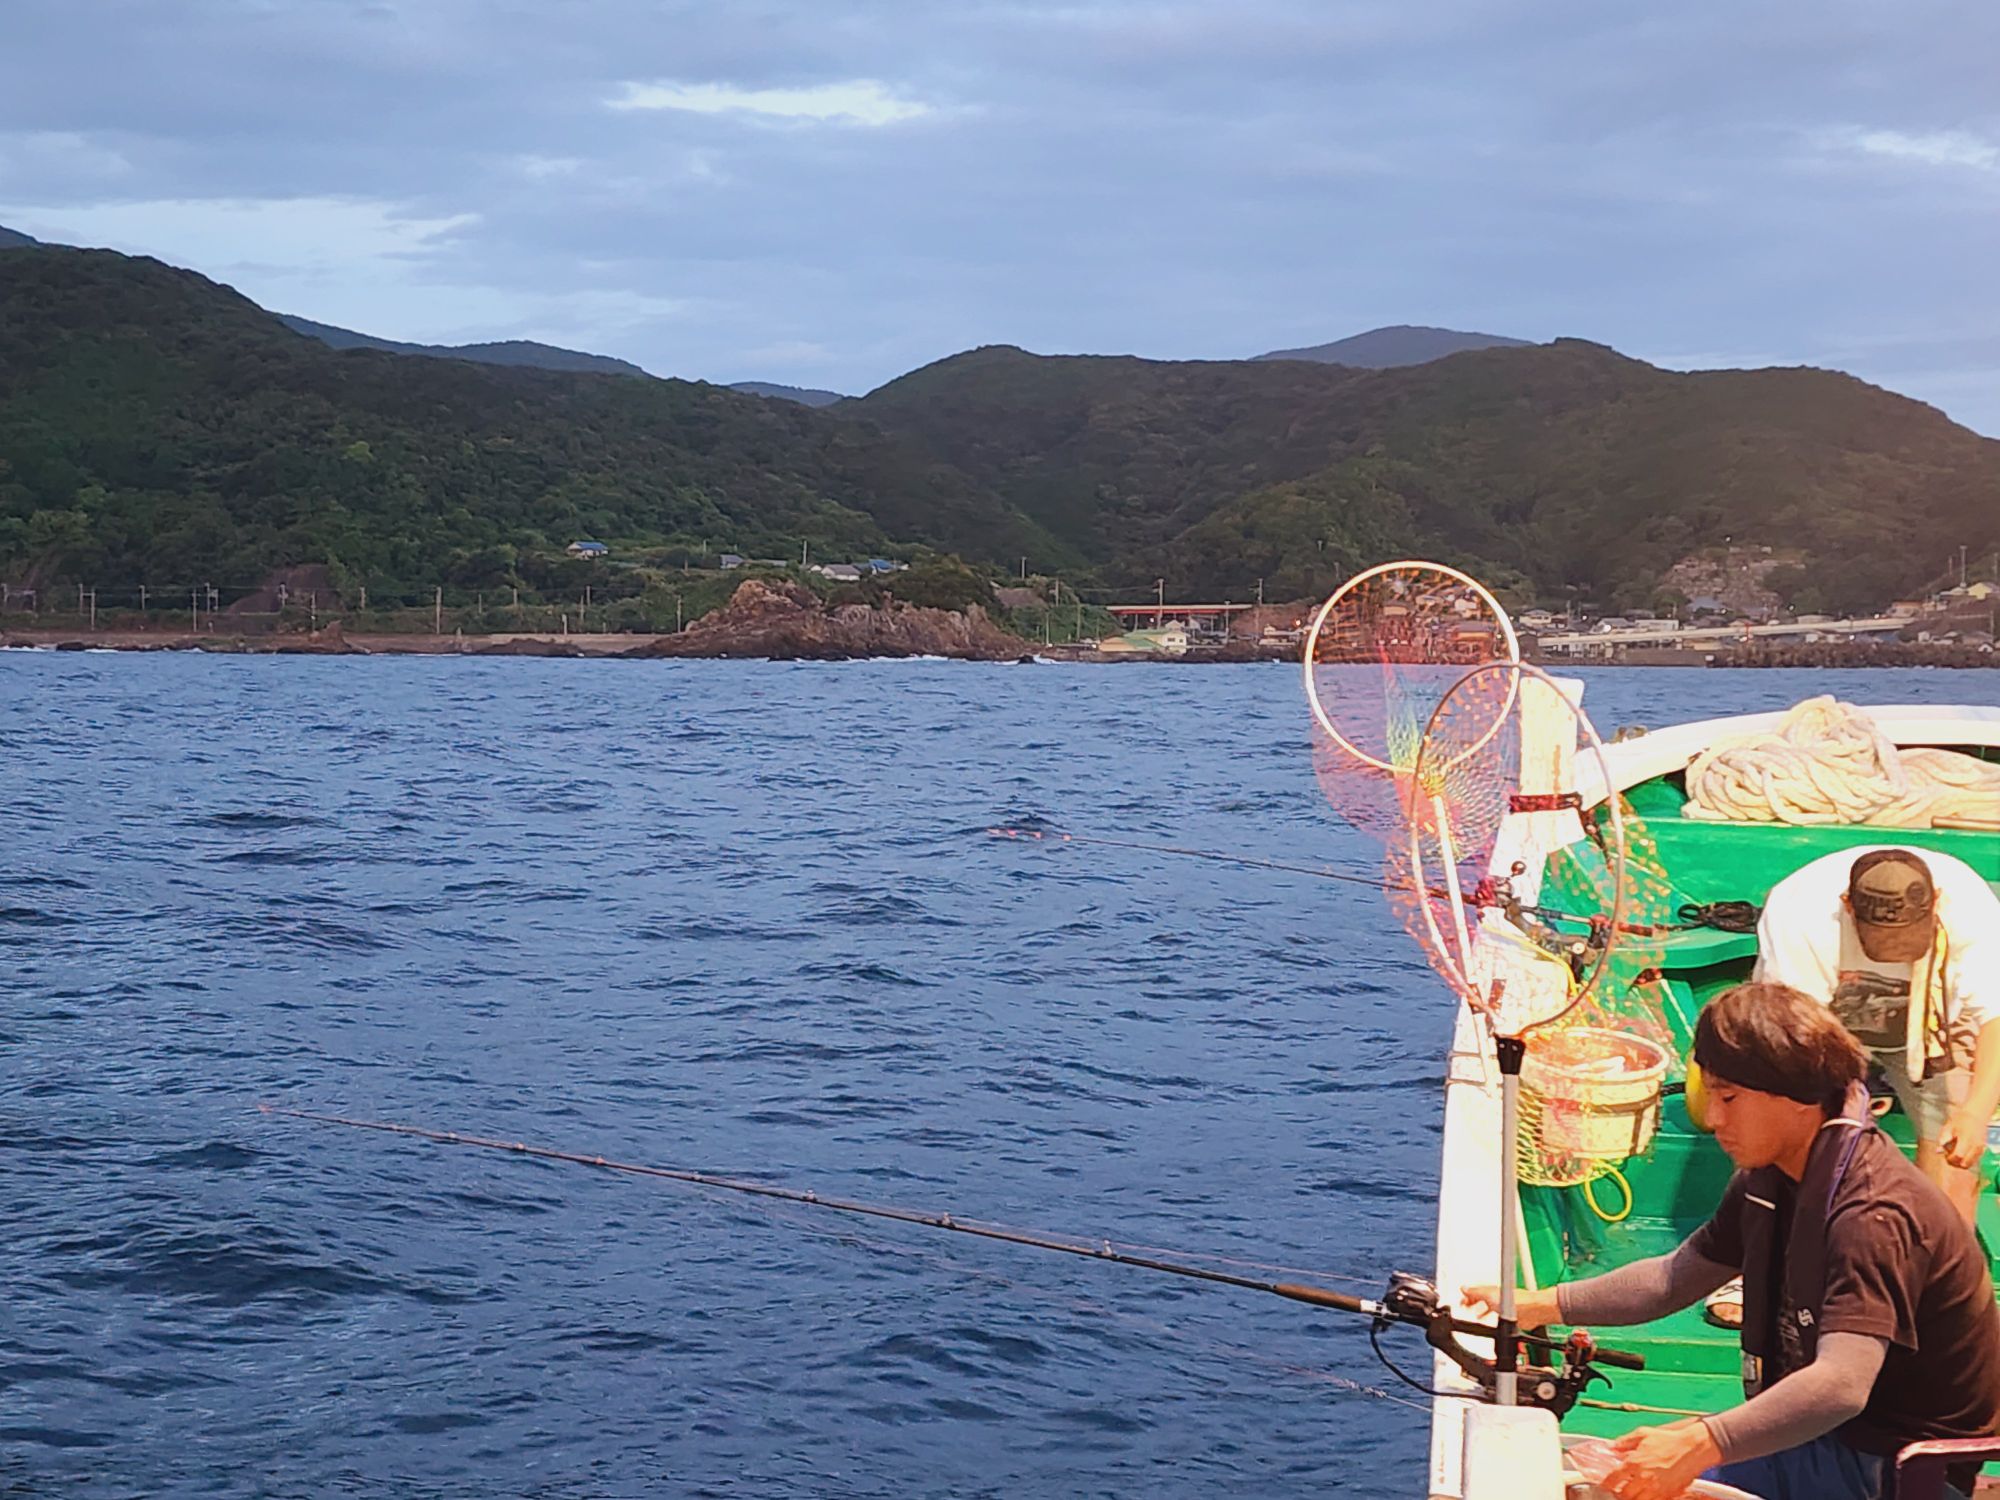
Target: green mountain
point(519, 352)
point(1543, 466)
point(158, 428)
point(1391, 348)
point(13, 239)
point(522, 353)
point(803, 394)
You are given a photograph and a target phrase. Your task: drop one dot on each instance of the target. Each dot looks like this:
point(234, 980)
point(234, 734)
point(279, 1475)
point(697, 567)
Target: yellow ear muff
point(1697, 1097)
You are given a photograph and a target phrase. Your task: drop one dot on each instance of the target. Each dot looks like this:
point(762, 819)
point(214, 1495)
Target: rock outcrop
point(328, 640)
point(786, 622)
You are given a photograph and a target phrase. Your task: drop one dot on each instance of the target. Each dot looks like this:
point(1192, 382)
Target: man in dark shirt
point(1869, 1314)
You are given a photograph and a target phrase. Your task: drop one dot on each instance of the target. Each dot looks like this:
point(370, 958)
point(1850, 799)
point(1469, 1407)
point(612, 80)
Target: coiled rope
point(1829, 762)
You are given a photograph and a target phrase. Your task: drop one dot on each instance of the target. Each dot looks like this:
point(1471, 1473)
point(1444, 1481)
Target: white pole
point(1510, 1050)
point(1448, 853)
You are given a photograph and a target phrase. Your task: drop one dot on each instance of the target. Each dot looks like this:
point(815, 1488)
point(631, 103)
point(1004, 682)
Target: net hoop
point(1588, 744)
point(1310, 654)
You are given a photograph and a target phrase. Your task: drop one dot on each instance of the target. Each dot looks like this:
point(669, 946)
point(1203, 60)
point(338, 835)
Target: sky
point(833, 192)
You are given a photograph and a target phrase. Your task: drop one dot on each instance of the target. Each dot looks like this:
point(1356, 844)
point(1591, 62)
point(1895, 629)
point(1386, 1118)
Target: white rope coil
point(1828, 762)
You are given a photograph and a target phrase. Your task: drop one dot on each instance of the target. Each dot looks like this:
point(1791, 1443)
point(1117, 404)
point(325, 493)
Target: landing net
point(1381, 654)
point(1502, 791)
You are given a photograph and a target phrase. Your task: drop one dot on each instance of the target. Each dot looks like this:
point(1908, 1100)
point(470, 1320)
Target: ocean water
point(738, 917)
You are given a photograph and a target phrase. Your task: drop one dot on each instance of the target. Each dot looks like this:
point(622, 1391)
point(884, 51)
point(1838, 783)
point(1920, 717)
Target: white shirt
point(1806, 939)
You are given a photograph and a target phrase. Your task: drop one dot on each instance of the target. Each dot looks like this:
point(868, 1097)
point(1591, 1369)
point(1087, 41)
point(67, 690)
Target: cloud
point(223, 235)
point(1943, 148)
point(31, 155)
point(789, 354)
point(861, 101)
point(533, 165)
point(702, 188)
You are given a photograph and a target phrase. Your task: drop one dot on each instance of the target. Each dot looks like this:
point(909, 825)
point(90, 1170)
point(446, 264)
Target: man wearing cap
point(1870, 1318)
point(1905, 948)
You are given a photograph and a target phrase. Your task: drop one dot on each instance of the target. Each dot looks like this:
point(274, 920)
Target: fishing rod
point(1409, 1300)
point(1726, 916)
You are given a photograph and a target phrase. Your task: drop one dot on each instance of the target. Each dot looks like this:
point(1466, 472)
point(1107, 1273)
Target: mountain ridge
point(154, 420)
point(521, 352)
point(1397, 345)
point(805, 395)
point(156, 424)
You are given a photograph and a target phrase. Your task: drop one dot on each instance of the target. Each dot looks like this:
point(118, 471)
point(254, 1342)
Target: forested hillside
point(154, 425)
point(1548, 465)
point(157, 427)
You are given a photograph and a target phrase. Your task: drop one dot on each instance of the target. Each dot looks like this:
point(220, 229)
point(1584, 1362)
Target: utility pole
point(1961, 565)
point(1160, 613)
point(1260, 593)
point(93, 609)
point(364, 598)
point(437, 611)
point(142, 598)
point(517, 598)
point(677, 614)
point(1024, 570)
point(802, 555)
point(194, 609)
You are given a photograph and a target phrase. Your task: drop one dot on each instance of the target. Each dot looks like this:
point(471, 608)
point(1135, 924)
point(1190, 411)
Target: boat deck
point(1691, 1365)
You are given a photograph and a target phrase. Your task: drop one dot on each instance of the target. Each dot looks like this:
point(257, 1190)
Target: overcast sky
point(831, 192)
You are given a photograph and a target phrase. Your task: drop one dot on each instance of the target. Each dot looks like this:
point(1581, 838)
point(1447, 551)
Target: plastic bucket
point(1597, 1092)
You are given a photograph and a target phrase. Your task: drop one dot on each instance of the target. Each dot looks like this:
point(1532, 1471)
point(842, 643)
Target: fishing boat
point(1629, 1208)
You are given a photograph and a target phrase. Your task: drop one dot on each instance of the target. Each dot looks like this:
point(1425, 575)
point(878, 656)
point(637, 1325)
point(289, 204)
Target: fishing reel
point(1557, 1386)
point(1581, 952)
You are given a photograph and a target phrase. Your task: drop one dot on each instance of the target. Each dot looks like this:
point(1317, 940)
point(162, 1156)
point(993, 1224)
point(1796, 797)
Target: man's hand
point(1963, 1139)
point(1531, 1309)
point(1661, 1462)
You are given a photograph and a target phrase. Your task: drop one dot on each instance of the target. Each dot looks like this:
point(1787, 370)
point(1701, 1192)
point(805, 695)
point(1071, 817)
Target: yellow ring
point(1697, 1098)
point(1590, 1197)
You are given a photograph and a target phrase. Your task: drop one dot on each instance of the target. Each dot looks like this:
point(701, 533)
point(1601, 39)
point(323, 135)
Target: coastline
point(604, 647)
point(333, 641)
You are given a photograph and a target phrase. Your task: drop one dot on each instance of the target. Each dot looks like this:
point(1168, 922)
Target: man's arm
point(1635, 1293)
point(1796, 945)
point(1973, 952)
point(1806, 1404)
point(1660, 1461)
point(1643, 1290)
point(1963, 1140)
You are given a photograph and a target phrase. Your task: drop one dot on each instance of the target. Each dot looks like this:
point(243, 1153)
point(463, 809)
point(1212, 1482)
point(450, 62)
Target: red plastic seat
point(1920, 1467)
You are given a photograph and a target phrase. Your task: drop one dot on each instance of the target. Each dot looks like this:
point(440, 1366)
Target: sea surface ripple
point(740, 917)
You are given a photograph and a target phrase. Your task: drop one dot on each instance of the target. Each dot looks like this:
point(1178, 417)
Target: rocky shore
point(778, 621)
point(1859, 654)
point(787, 622)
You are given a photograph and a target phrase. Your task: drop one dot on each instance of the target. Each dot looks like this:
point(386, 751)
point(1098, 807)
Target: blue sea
point(738, 917)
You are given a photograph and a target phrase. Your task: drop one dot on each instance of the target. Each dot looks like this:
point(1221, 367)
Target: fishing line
point(1205, 1344)
point(1317, 1296)
point(1437, 1320)
point(1324, 872)
point(1724, 916)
